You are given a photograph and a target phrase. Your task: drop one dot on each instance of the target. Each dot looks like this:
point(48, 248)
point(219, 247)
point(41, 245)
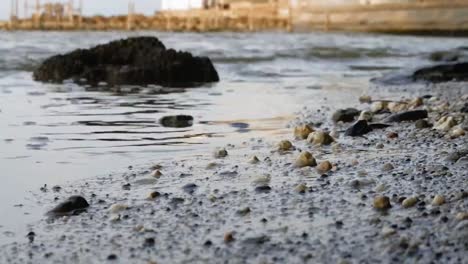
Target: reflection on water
point(51, 134)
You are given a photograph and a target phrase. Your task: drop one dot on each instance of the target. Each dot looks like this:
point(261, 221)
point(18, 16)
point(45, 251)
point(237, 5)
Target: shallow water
point(53, 134)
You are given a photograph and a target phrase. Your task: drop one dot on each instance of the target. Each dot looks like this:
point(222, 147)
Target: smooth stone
point(71, 205)
point(285, 145)
point(359, 128)
point(382, 202)
point(320, 138)
point(190, 188)
point(220, 153)
point(345, 115)
point(324, 166)
point(438, 200)
point(305, 159)
point(263, 189)
point(177, 121)
point(413, 115)
point(421, 124)
point(409, 202)
point(302, 132)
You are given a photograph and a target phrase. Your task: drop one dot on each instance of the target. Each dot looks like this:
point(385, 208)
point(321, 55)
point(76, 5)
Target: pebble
point(409, 202)
point(462, 216)
point(438, 200)
point(154, 195)
point(413, 115)
point(220, 153)
point(72, 204)
point(388, 167)
point(117, 208)
point(422, 123)
point(365, 99)
point(365, 115)
point(381, 188)
point(156, 174)
point(302, 132)
point(445, 123)
point(382, 202)
point(378, 106)
point(416, 102)
point(324, 166)
point(228, 237)
point(361, 127)
point(301, 188)
point(263, 189)
point(190, 188)
point(305, 159)
point(320, 138)
point(345, 115)
point(285, 145)
point(392, 135)
point(396, 107)
point(379, 146)
point(457, 132)
point(254, 160)
point(262, 180)
point(388, 231)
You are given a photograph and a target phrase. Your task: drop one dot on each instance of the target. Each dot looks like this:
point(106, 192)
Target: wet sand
point(207, 209)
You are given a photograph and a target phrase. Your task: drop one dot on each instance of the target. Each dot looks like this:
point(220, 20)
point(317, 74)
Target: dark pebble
point(190, 188)
point(345, 115)
point(407, 116)
point(421, 124)
point(359, 128)
point(71, 205)
point(263, 189)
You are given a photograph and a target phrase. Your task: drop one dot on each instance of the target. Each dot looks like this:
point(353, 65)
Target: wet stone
point(409, 202)
point(421, 124)
point(149, 242)
point(190, 188)
point(345, 115)
point(220, 153)
point(388, 167)
point(407, 116)
point(382, 202)
point(305, 159)
point(263, 189)
point(177, 121)
point(228, 237)
point(302, 132)
point(72, 205)
point(359, 128)
point(285, 145)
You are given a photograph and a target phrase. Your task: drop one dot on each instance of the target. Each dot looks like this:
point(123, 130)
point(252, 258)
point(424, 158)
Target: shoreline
point(219, 208)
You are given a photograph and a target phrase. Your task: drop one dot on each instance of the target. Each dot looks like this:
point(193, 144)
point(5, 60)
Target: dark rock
point(345, 115)
point(464, 109)
point(257, 240)
point(177, 121)
point(73, 204)
point(443, 73)
point(378, 126)
point(263, 189)
point(421, 124)
point(445, 56)
point(133, 61)
point(359, 128)
point(112, 257)
point(149, 242)
point(407, 116)
point(190, 188)
point(31, 235)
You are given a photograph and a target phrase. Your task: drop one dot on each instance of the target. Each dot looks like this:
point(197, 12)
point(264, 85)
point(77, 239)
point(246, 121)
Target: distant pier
point(428, 16)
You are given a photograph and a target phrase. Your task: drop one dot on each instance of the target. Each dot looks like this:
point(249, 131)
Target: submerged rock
point(177, 121)
point(72, 205)
point(443, 73)
point(132, 61)
point(407, 116)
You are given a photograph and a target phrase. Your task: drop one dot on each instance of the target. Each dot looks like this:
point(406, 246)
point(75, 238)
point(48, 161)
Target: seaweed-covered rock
point(443, 73)
point(132, 61)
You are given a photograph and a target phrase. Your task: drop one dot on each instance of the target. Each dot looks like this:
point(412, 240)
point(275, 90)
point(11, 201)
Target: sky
point(92, 7)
